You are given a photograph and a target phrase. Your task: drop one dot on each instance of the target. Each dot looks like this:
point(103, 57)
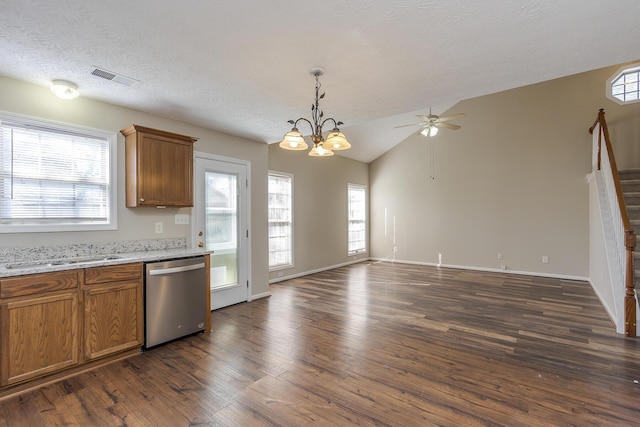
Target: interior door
point(220, 225)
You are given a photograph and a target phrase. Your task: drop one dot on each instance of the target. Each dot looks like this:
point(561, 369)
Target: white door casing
point(221, 218)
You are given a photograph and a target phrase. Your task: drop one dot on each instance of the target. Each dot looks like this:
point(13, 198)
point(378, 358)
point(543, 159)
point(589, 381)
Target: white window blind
point(357, 219)
point(52, 178)
point(280, 220)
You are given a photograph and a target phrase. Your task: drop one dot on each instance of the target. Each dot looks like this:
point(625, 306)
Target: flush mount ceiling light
point(293, 140)
point(64, 89)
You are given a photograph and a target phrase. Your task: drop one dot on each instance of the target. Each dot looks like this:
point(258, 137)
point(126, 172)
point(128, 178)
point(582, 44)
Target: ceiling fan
point(432, 122)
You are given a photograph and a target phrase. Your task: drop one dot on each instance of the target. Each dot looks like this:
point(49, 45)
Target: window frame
point(628, 69)
point(111, 139)
point(365, 221)
point(291, 221)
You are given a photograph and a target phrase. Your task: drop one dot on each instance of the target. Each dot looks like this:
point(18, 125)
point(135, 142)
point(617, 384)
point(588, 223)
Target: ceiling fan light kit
point(429, 131)
point(293, 140)
point(430, 123)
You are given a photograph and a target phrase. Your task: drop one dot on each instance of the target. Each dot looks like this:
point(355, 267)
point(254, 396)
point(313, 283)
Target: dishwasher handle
point(172, 270)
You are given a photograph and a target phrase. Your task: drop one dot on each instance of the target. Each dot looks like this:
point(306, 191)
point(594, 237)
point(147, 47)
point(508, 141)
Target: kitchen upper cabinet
point(39, 325)
point(113, 317)
point(159, 167)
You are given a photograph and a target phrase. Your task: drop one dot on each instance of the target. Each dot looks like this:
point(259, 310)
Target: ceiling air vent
point(118, 78)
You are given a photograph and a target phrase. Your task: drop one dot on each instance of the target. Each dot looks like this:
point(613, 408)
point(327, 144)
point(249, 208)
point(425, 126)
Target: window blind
point(280, 221)
point(357, 219)
point(52, 176)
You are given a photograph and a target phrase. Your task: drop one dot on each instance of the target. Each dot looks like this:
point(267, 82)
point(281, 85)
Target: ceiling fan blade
point(412, 124)
point(453, 117)
point(422, 117)
point(447, 125)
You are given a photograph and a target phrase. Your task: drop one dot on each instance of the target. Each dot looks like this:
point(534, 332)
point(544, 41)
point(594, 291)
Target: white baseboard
point(306, 273)
point(258, 296)
point(492, 270)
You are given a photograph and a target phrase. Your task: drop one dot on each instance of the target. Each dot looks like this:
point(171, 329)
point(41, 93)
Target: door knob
point(200, 233)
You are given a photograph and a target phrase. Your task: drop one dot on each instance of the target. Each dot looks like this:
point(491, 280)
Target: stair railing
point(605, 161)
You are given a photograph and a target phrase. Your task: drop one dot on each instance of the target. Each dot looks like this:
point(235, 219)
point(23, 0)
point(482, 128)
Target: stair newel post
point(630, 292)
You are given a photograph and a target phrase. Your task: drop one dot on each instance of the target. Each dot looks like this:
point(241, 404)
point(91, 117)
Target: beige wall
point(138, 223)
point(320, 207)
point(511, 181)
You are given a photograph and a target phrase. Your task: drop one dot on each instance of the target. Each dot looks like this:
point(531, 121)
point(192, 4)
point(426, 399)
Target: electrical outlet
point(545, 259)
point(159, 228)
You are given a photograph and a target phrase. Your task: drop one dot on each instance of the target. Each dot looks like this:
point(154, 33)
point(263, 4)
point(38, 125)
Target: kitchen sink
point(50, 263)
point(94, 259)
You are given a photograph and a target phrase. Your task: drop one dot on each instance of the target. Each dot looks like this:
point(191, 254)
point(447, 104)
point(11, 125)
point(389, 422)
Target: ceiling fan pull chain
point(432, 160)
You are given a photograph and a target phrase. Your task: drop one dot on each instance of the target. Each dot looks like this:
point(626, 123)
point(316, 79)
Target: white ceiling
point(242, 67)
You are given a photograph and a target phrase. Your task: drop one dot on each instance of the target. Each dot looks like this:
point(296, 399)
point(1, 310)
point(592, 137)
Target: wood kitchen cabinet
point(159, 167)
point(113, 309)
point(39, 325)
point(53, 324)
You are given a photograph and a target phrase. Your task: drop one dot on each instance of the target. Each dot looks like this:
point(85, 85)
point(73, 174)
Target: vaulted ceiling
point(242, 67)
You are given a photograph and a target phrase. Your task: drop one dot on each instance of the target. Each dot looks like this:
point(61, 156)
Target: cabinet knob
point(141, 199)
point(200, 233)
point(200, 244)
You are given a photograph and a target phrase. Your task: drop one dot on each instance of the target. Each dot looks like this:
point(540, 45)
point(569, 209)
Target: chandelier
point(293, 140)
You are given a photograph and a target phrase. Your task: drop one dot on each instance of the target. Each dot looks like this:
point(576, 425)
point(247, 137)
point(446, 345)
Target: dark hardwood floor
point(372, 344)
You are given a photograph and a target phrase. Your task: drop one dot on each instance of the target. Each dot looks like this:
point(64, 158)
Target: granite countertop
point(44, 260)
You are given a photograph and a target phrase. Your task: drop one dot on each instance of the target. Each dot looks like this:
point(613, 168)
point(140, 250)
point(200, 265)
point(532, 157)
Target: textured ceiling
point(241, 67)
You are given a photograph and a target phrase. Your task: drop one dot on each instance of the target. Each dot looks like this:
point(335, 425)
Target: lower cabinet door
point(38, 336)
point(112, 319)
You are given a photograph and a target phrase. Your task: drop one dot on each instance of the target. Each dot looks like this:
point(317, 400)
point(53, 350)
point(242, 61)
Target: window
point(280, 220)
point(55, 177)
point(624, 86)
point(221, 210)
point(357, 219)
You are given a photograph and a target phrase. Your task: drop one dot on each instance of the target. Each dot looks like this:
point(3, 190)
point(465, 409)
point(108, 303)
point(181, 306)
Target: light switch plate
point(182, 218)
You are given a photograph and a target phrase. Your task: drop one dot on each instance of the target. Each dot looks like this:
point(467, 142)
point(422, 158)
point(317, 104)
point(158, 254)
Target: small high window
point(624, 86)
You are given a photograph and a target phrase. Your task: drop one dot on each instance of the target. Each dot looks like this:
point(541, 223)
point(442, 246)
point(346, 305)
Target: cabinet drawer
point(113, 273)
point(38, 283)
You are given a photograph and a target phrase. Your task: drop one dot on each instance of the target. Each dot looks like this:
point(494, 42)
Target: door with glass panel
point(220, 225)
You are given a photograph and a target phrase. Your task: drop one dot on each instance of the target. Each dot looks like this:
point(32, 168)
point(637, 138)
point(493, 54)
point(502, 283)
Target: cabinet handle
point(141, 199)
point(200, 244)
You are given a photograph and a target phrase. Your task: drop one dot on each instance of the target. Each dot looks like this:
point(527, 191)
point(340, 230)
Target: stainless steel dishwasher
point(175, 299)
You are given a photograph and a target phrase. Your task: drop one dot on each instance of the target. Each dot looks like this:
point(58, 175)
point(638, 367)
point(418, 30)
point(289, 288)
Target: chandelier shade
point(293, 140)
point(318, 150)
point(336, 141)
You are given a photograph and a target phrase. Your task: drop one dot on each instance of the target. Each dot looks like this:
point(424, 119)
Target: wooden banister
point(629, 234)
